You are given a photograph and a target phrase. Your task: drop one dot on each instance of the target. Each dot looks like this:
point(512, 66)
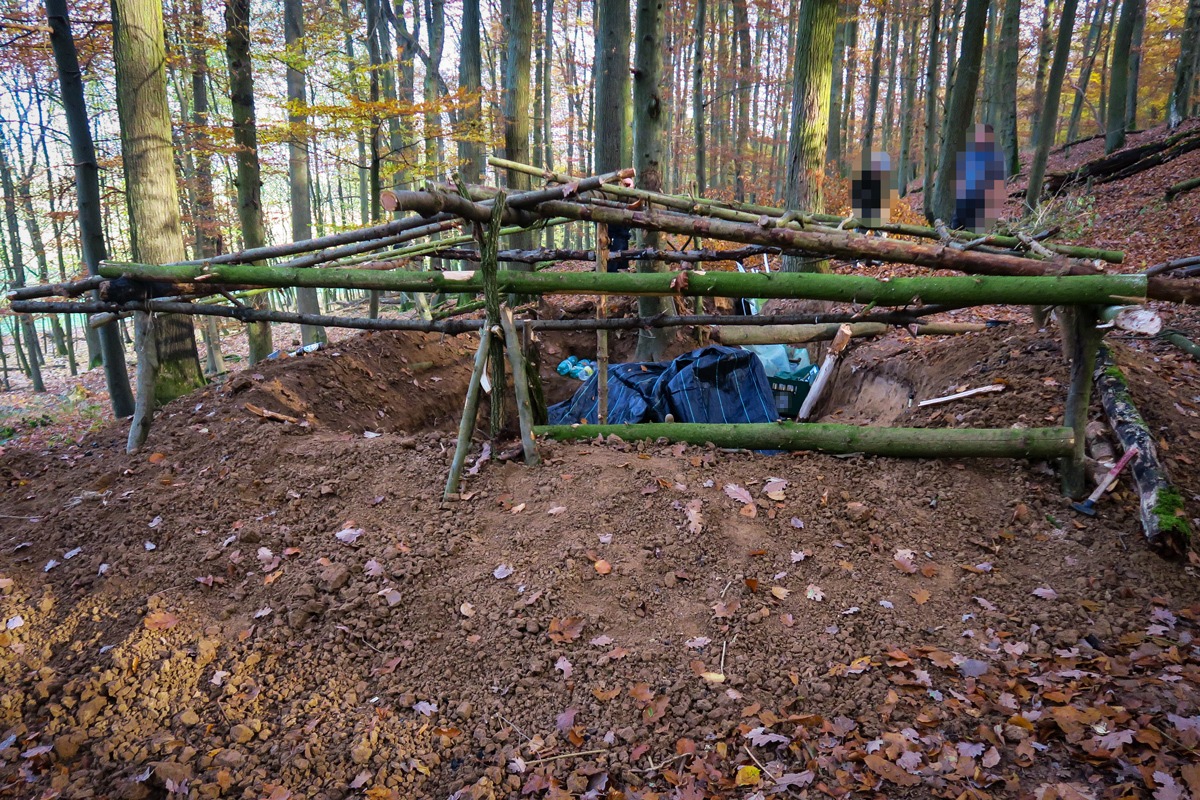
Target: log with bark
point(959, 290)
point(1182, 342)
point(1182, 187)
point(1161, 507)
point(1127, 162)
point(802, 334)
point(1042, 443)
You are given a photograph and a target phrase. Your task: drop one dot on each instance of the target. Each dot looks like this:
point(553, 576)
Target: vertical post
point(602, 335)
point(1084, 342)
point(516, 360)
point(489, 251)
point(470, 409)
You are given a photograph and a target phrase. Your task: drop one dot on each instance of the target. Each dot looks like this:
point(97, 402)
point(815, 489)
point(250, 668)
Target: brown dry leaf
point(604, 695)
point(751, 584)
point(903, 561)
point(780, 593)
point(726, 608)
point(160, 620)
point(929, 570)
point(750, 511)
point(565, 629)
point(787, 620)
point(156, 458)
point(694, 517)
point(890, 772)
point(846, 565)
point(921, 596)
point(641, 692)
point(712, 677)
point(274, 576)
point(603, 567)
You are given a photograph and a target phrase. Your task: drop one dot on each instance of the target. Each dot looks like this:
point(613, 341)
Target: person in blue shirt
point(979, 183)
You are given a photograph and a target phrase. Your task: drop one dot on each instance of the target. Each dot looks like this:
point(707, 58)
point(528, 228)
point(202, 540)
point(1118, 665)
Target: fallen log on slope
point(1182, 342)
point(1120, 161)
point(834, 438)
point(1181, 187)
point(1161, 507)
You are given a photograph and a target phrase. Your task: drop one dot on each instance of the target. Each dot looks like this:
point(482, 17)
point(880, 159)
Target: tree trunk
point(1185, 67)
point(698, 96)
point(87, 191)
point(1032, 443)
point(1045, 43)
point(169, 365)
point(245, 136)
point(1091, 50)
point(932, 104)
point(1135, 67)
point(470, 77)
point(1115, 122)
point(833, 148)
point(908, 90)
point(889, 107)
point(1005, 97)
point(741, 136)
point(873, 87)
point(959, 113)
point(518, 29)
point(1049, 119)
point(17, 266)
point(846, 128)
point(298, 175)
point(648, 139)
point(811, 79)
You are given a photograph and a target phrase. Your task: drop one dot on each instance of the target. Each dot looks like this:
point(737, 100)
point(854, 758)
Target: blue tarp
point(712, 384)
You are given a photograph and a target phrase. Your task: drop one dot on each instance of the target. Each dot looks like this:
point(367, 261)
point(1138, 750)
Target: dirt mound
point(257, 609)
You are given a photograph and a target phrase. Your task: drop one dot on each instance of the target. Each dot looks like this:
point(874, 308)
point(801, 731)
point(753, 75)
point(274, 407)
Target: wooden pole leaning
point(602, 242)
point(1083, 342)
point(516, 360)
point(470, 410)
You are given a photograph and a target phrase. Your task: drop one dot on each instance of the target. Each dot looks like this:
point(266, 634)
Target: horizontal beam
point(1040, 443)
point(959, 290)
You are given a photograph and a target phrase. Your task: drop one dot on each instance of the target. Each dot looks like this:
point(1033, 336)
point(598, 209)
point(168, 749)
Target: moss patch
point(1168, 510)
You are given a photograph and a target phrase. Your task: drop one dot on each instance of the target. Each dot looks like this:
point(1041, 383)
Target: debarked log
point(1040, 443)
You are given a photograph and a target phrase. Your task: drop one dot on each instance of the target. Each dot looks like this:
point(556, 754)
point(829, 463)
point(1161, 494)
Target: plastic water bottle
point(565, 366)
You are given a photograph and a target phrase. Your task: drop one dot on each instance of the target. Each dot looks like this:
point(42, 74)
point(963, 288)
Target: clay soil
point(257, 609)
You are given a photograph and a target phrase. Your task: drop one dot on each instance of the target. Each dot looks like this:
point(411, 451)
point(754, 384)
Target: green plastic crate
point(789, 395)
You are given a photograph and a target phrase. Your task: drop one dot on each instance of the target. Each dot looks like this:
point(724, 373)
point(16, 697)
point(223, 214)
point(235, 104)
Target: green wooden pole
point(833, 438)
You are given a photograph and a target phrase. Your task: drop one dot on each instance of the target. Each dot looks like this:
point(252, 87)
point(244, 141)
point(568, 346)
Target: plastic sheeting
point(712, 384)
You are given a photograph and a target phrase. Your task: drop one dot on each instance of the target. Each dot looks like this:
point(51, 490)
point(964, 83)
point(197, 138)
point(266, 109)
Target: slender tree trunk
point(986, 108)
point(17, 266)
point(811, 81)
point(698, 96)
point(298, 174)
point(846, 129)
point(873, 85)
point(1118, 87)
point(1105, 69)
point(87, 191)
point(908, 90)
point(1091, 50)
point(1005, 97)
point(245, 137)
point(649, 130)
point(1045, 44)
point(959, 113)
point(470, 78)
point(1185, 67)
point(168, 364)
point(889, 107)
point(1135, 67)
point(741, 137)
point(1049, 119)
point(518, 30)
point(833, 152)
point(547, 106)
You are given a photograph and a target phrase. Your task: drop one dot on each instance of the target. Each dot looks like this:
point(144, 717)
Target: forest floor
point(264, 610)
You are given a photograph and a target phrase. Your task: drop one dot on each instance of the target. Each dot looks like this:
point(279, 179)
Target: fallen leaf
point(160, 620)
point(787, 620)
point(564, 666)
point(501, 572)
point(156, 458)
point(780, 593)
point(735, 492)
point(467, 610)
point(641, 692)
point(920, 596)
point(517, 509)
point(698, 643)
point(349, 535)
point(373, 568)
point(605, 695)
point(1046, 593)
point(694, 517)
point(391, 595)
point(800, 555)
point(761, 737)
point(262, 612)
point(603, 640)
point(425, 708)
point(814, 592)
point(602, 567)
point(565, 629)
point(889, 771)
point(712, 677)
point(566, 720)
point(726, 608)
point(903, 561)
point(748, 775)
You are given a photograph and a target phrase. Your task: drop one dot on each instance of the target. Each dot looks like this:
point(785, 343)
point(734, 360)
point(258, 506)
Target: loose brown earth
point(619, 622)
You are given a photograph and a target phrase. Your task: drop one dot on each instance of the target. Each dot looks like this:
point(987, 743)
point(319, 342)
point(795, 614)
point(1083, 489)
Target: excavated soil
point(258, 609)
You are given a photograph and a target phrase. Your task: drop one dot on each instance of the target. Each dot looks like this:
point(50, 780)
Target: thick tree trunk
point(169, 365)
point(1185, 67)
point(470, 77)
point(960, 111)
point(245, 136)
point(1135, 67)
point(698, 96)
point(648, 150)
point(1115, 122)
point(87, 191)
point(811, 80)
point(1005, 99)
point(298, 175)
point(1031, 443)
point(518, 28)
point(1049, 118)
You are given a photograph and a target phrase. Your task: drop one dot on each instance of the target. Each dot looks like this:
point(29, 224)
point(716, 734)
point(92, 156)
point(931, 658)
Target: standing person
point(872, 194)
point(979, 184)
